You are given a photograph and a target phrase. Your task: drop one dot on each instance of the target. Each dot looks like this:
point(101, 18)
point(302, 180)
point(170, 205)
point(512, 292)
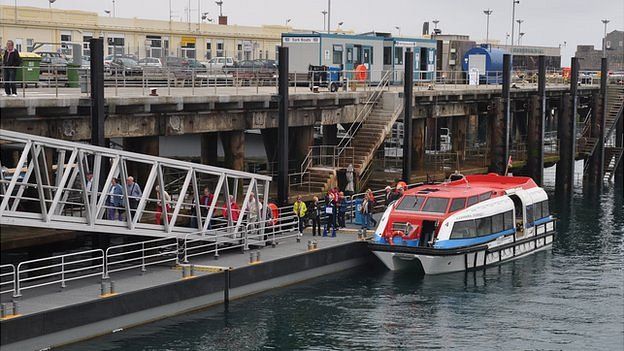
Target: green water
point(570, 298)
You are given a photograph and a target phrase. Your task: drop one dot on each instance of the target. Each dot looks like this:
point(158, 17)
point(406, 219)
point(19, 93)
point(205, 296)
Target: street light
point(506, 38)
point(513, 20)
point(604, 38)
point(324, 12)
point(399, 29)
point(487, 12)
point(114, 13)
point(519, 29)
point(288, 21)
point(50, 2)
point(220, 4)
point(340, 25)
point(328, 16)
point(108, 12)
point(520, 35)
point(435, 24)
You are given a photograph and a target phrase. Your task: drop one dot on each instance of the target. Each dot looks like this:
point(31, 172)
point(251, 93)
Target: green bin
point(73, 75)
point(29, 71)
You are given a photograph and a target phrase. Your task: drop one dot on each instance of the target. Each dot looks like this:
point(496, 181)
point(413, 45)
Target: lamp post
point(487, 13)
point(340, 25)
point(399, 29)
point(108, 12)
point(519, 30)
point(435, 24)
point(324, 12)
point(50, 2)
point(220, 4)
point(288, 21)
point(604, 38)
point(328, 16)
point(513, 22)
point(520, 35)
point(506, 38)
point(114, 9)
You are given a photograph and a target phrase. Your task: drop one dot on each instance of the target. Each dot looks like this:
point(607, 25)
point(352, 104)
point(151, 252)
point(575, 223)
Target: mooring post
point(497, 136)
point(408, 97)
point(567, 138)
point(535, 135)
point(598, 124)
point(506, 94)
point(282, 138)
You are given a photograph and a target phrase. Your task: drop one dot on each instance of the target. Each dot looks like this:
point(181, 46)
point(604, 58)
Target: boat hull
point(437, 261)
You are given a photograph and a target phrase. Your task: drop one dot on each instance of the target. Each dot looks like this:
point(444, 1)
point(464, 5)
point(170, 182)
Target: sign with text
point(302, 40)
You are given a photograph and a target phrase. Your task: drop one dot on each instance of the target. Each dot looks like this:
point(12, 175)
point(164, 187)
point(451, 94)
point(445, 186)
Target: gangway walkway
point(57, 184)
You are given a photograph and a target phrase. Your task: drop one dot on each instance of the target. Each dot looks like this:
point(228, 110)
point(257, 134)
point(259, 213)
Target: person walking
point(300, 210)
point(371, 208)
point(387, 196)
point(11, 60)
point(233, 209)
point(159, 205)
point(134, 193)
point(315, 212)
point(114, 203)
point(205, 201)
point(342, 210)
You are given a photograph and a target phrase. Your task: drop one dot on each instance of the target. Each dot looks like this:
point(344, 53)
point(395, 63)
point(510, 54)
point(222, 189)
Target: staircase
point(613, 156)
point(615, 105)
point(366, 134)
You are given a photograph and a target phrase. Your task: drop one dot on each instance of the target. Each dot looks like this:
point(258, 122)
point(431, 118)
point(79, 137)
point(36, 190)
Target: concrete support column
point(535, 141)
point(598, 127)
point(419, 128)
point(209, 146)
point(148, 145)
point(619, 142)
point(408, 103)
point(234, 149)
point(301, 140)
point(330, 134)
point(459, 128)
point(498, 152)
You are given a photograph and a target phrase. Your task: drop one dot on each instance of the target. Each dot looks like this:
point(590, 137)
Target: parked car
point(175, 62)
point(86, 62)
point(193, 63)
point(152, 62)
point(219, 64)
point(52, 62)
point(125, 66)
point(255, 69)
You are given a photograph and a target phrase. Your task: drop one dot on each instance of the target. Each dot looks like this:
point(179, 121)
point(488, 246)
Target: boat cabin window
point(472, 200)
point(464, 229)
point(457, 204)
point(485, 196)
point(435, 205)
point(482, 226)
point(537, 210)
point(529, 214)
point(411, 203)
point(545, 211)
point(498, 223)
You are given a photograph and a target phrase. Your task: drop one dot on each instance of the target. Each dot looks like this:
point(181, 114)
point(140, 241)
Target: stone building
point(614, 48)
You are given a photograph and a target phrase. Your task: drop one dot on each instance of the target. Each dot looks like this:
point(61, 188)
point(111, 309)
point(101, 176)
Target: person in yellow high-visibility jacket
point(300, 210)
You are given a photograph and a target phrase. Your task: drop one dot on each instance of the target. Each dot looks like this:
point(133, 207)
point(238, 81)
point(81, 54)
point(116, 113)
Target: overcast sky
point(546, 22)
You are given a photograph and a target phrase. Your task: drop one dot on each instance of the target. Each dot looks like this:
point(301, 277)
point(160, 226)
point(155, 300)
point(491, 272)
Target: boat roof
point(472, 185)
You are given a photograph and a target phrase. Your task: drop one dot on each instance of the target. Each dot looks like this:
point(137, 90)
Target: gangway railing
point(58, 270)
point(7, 278)
point(67, 185)
point(140, 255)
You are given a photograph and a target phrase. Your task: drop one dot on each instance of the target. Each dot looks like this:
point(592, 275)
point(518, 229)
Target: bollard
point(2, 310)
point(112, 287)
point(251, 257)
point(185, 271)
point(299, 237)
point(314, 245)
point(192, 270)
point(103, 288)
point(15, 307)
point(309, 245)
point(257, 256)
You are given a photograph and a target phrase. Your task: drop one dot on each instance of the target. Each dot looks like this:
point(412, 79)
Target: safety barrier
point(7, 277)
point(140, 255)
point(58, 269)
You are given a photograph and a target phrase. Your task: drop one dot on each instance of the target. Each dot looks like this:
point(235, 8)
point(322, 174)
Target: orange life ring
point(390, 236)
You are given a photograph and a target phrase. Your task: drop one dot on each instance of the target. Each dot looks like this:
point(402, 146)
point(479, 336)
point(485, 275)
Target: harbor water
point(567, 298)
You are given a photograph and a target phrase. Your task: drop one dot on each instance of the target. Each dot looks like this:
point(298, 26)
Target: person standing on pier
point(370, 208)
point(300, 210)
point(114, 202)
point(11, 60)
point(330, 212)
point(134, 193)
point(159, 205)
point(342, 210)
point(204, 204)
point(316, 216)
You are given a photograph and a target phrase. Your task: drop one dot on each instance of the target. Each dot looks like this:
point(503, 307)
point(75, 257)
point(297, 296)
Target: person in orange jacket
point(233, 207)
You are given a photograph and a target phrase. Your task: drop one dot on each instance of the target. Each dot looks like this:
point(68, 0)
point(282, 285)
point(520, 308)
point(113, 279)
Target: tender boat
point(466, 223)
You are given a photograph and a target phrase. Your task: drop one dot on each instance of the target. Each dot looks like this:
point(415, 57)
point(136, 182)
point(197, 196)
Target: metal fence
point(140, 255)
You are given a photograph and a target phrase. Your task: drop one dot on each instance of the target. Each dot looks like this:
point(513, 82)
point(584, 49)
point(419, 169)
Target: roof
point(473, 185)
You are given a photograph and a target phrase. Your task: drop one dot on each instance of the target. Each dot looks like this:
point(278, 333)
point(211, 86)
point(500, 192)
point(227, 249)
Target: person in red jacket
point(233, 208)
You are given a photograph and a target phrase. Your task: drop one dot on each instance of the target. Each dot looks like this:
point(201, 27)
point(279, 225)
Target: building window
point(86, 50)
point(208, 49)
point(154, 46)
point(116, 43)
point(337, 55)
point(187, 47)
point(398, 56)
point(387, 55)
point(220, 50)
point(66, 47)
point(239, 51)
point(29, 45)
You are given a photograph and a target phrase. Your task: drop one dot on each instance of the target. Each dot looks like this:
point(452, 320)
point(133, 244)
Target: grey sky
point(546, 22)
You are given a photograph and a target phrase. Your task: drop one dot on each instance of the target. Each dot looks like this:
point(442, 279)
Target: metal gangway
point(57, 184)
